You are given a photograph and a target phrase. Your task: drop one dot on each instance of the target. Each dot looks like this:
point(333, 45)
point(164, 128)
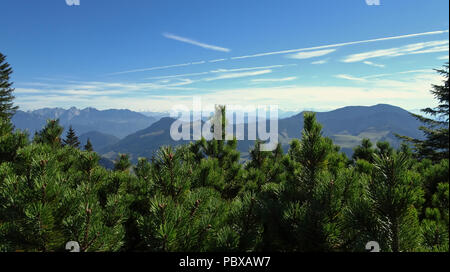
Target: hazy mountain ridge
point(118, 123)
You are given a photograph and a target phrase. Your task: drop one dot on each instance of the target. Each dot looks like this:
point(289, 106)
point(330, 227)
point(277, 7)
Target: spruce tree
point(71, 138)
point(7, 108)
point(435, 146)
point(88, 146)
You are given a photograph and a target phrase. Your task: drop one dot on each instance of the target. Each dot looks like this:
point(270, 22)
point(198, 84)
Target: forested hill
point(349, 125)
point(346, 126)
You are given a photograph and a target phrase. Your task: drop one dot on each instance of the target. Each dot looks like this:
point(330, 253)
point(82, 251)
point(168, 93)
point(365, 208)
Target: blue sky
point(149, 55)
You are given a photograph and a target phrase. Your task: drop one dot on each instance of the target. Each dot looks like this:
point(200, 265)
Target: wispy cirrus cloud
point(289, 51)
point(443, 57)
point(252, 68)
point(374, 64)
point(239, 74)
point(318, 62)
point(311, 54)
point(216, 60)
point(395, 74)
point(264, 80)
point(196, 43)
point(179, 75)
point(349, 77)
point(222, 70)
point(343, 44)
point(410, 49)
point(150, 69)
point(417, 83)
point(411, 92)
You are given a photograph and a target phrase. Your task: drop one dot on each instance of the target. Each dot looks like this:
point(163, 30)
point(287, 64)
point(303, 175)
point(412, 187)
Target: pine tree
point(122, 163)
point(88, 146)
point(219, 159)
point(395, 193)
point(177, 215)
point(10, 141)
point(7, 108)
point(71, 138)
point(364, 151)
point(384, 148)
point(50, 134)
point(435, 214)
point(52, 196)
point(435, 146)
point(310, 198)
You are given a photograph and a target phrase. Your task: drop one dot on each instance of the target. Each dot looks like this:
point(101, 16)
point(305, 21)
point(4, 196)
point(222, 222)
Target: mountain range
point(118, 123)
point(346, 126)
point(140, 135)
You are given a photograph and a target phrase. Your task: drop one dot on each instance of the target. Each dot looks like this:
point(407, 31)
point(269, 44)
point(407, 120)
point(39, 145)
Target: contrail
point(193, 42)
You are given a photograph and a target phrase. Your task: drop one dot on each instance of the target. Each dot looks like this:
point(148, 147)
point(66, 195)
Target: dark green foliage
point(10, 141)
point(396, 194)
point(7, 108)
point(198, 197)
point(49, 198)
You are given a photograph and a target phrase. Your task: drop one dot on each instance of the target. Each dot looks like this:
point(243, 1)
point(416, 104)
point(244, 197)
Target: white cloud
point(176, 82)
point(217, 60)
point(443, 57)
point(343, 44)
point(349, 77)
point(221, 70)
point(198, 62)
point(421, 71)
point(251, 68)
point(415, 48)
point(238, 75)
point(319, 62)
point(374, 64)
point(194, 42)
point(151, 69)
point(179, 75)
point(411, 92)
point(259, 80)
point(311, 54)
